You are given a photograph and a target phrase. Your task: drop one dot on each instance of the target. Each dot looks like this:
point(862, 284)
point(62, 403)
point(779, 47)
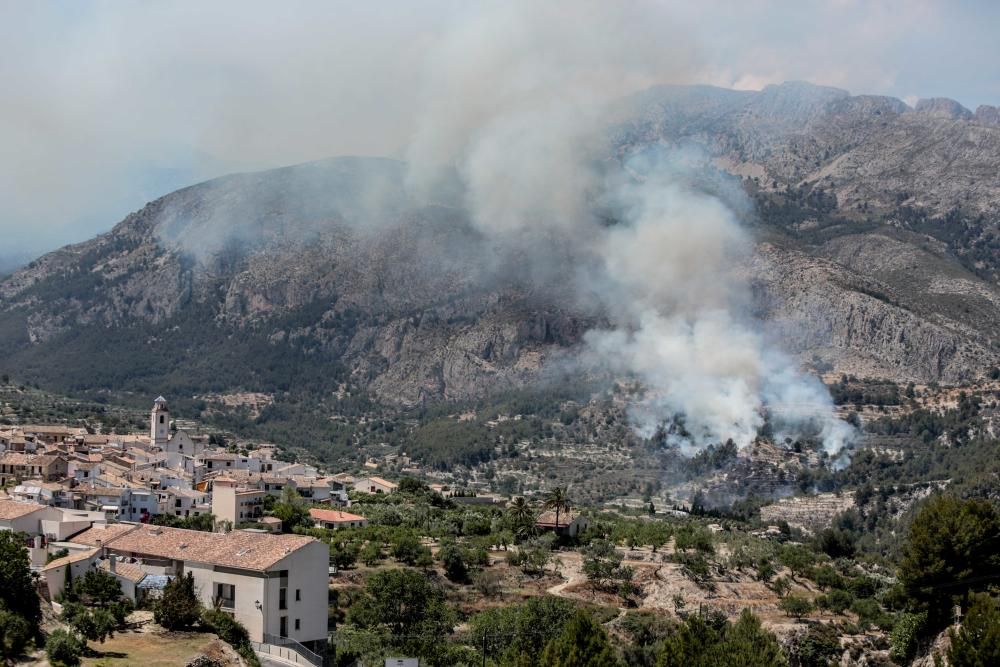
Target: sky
point(107, 105)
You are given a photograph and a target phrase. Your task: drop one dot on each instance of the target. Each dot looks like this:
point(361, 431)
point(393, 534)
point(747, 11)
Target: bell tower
point(159, 423)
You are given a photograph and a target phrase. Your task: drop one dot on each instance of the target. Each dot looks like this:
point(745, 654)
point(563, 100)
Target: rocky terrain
point(876, 228)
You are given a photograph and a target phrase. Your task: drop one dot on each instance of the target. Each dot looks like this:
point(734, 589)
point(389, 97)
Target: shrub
point(179, 608)
point(905, 636)
point(64, 648)
point(796, 606)
point(15, 632)
point(232, 632)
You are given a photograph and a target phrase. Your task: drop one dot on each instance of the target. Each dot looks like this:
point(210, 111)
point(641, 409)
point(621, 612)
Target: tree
point(14, 635)
point(178, 608)
point(953, 547)
point(98, 587)
point(711, 641)
point(95, 625)
point(690, 646)
point(371, 553)
point(17, 590)
point(816, 648)
point(582, 643)
point(794, 605)
point(343, 554)
point(797, 558)
point(522, 517)
point(292, 511)
point(747, 644)
point(407, 549)
point(407, 605)
point(977, 642)
point(517, 634)
point(452, 559)
point(64, 648)
point(412, 485)
point(557, 500)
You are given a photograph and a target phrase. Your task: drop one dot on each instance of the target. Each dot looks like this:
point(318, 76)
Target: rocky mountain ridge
point(876, 228)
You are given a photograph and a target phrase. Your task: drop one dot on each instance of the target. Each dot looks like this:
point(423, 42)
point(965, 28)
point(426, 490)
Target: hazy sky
point(105, 105)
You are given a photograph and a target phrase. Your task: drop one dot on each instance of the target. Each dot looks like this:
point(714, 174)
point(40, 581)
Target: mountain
point(877, 254)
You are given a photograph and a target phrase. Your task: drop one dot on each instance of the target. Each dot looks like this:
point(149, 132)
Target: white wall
point(248, 590)
point(308, 572)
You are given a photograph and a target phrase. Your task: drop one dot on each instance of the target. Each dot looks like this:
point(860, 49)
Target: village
point(148, 509)
point(96, 501)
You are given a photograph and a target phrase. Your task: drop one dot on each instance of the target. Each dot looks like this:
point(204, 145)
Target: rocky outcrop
point(943, 107)
point(334, 260)
point(987, 115)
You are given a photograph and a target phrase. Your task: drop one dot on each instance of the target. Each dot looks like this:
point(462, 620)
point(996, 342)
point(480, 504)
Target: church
point(168, 439)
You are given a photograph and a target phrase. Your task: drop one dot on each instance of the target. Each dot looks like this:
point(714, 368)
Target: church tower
point(159, 423)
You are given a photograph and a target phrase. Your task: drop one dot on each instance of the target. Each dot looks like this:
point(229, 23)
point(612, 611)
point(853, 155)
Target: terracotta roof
point(383, 482)
point(334, 516)
point(22, 459)
point(103, 532)
point(129, 571)
point(239, 549)
point(13, 509)
point(72, 558)
point(549, 518)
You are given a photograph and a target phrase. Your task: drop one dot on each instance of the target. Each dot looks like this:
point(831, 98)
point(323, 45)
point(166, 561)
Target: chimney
point(112, 563)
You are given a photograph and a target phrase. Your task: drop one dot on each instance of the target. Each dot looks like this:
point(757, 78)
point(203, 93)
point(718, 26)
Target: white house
point(183, 503)
point(375, 485)
point(26, 517)
point(275, 585)
point(336, 519)
point(236, 504)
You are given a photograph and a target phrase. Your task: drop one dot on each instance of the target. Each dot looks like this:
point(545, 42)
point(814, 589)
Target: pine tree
point(179, 608)
point(582, 643)
point(977, 642)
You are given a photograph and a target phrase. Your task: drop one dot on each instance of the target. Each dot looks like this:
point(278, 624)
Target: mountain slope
point(875, 224)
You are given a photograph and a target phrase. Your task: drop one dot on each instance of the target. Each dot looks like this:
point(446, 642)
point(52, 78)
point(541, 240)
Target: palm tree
point(521, 515)
point(557, 500)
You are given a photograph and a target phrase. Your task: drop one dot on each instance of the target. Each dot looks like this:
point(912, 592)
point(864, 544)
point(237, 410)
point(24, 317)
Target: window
point(296, 624)
point(283, 599)
point(283, 627)
point(225, 595)
point(161, 419)
point(298, 594)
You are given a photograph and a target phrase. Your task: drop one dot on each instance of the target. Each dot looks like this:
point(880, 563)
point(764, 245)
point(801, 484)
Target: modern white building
point(236, 504)
point(275, 585)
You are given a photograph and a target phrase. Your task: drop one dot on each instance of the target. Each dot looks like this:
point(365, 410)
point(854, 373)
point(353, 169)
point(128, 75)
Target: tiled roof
point(22, 459)
point(334, 516)
point(129, 571)
point(103, 532)
point(382, 482)
point(72, 558)
point(239, 549)
point(549, 518)
point(13, 509)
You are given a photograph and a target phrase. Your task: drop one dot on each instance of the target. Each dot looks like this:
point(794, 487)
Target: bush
point(796, 606)
point(64, 648)
point(451, 558)
point(15, 632)
point(906, 635)
point(232, 632)
point(179, 608)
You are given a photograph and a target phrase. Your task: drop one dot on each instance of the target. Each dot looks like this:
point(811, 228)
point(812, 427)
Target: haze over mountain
point(874, 251)
point(103, 100)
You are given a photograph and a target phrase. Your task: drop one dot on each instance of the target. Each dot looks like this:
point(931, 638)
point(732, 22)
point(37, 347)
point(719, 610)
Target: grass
point(149, 649)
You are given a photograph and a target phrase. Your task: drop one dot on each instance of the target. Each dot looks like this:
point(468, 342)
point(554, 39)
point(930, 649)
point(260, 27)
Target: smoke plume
point(523, 118)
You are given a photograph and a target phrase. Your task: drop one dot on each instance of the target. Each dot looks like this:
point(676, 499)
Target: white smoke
point(517, 103)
